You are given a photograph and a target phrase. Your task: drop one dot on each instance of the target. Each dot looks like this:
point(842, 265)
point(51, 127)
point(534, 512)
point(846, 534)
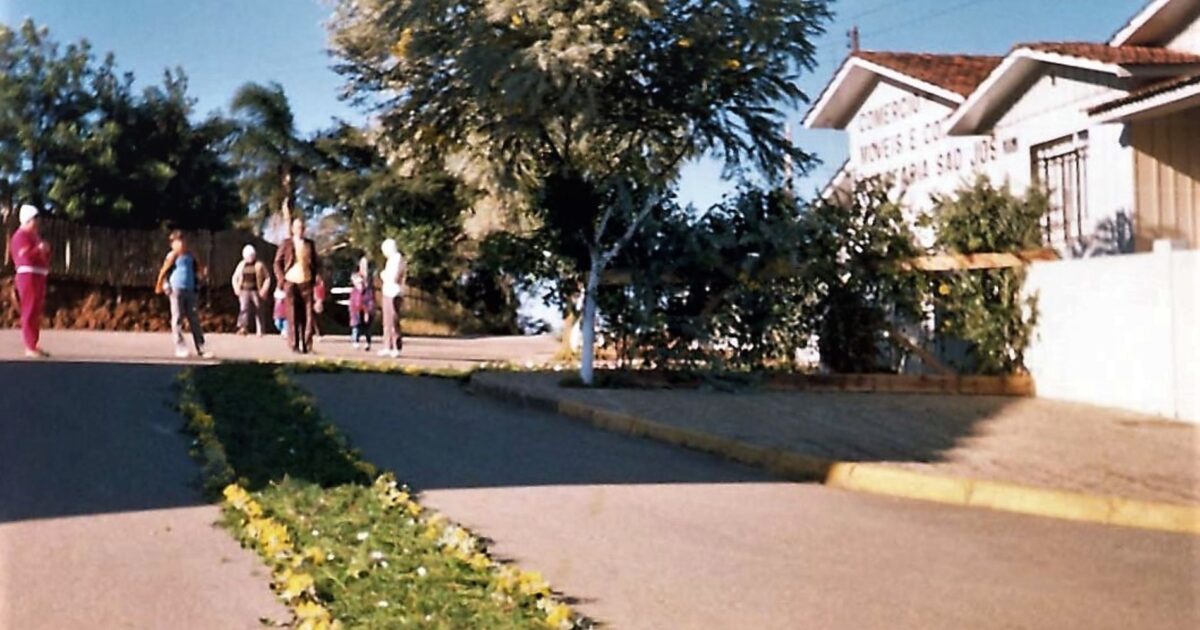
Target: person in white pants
point(393, 276)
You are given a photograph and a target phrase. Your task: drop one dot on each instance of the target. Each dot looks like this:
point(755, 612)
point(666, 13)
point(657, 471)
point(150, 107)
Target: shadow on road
point(435, 435)
point(86, 438)
point(78, 438)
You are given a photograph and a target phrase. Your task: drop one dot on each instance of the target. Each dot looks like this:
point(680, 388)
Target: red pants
point(31, 291)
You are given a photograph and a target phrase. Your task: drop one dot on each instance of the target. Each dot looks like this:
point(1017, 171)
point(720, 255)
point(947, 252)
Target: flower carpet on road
point(348, 547)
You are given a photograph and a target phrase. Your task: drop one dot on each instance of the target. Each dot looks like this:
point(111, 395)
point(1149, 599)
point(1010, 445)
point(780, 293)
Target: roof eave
point(1011, 72)
point(825, 115)
point(818, 116)
point(1148, 26)
point(965, 119)
point(1156, 105)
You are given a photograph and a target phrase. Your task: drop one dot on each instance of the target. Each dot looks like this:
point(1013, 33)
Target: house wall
point(1120, 331)
point(1055, 107)
point(901, 134)
point(1167, 159)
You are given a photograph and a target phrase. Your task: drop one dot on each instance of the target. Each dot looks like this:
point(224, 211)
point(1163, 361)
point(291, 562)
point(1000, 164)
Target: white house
point(1112, 131)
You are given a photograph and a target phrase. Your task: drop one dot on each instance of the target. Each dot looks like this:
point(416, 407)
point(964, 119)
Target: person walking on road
point(31, 258)
point(394, 277)
point(362, 310)
point(319, 296)
point(280, 312)
point(252, 284)
point(297, 266)
point(178, 278)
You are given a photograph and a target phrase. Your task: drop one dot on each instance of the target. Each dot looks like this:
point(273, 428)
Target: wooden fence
point(131, 258)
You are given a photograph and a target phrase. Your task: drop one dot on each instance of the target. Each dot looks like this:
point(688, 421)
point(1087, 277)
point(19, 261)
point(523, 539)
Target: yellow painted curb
point(1008, 497)
point(898, 482)
point(887, 480)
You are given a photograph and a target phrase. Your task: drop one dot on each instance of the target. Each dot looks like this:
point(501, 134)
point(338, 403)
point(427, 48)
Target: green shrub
point(986, 308)
point(713, 291)
point(854, 246)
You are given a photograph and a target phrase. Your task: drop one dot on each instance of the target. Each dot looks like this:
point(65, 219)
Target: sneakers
point(36, 354)
point(355, 345)
point(181, 353)
point(205, 354)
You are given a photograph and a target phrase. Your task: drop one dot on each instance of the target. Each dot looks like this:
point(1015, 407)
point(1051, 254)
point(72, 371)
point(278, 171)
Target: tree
point(422, 211)
point(268, 150)
point(584, 111)
point(44, 99)
point(78, 141)
point(143, 163)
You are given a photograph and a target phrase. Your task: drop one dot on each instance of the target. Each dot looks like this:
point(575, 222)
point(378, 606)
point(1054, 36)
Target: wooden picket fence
point(131, 258)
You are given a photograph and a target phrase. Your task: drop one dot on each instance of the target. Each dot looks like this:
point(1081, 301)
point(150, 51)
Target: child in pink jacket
point(362, 309)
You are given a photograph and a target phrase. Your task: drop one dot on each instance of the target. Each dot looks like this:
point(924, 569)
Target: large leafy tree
point(78, 140)
point(273, 157)
point(585, 111)
point(423, 211)
point(144, 163)
point(44, 97)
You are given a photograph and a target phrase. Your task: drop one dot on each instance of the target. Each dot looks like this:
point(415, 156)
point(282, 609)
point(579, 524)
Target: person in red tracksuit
point(31, 257)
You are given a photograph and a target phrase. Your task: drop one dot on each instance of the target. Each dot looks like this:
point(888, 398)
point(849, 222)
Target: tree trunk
point(588, 325)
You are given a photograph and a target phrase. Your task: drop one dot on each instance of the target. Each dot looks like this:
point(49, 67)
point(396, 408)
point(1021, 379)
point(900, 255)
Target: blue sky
point(224, 43)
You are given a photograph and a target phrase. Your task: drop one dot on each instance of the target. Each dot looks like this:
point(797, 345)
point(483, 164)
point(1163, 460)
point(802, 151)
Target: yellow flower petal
point(558, 615)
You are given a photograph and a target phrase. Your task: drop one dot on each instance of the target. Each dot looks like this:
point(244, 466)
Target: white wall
point(1120, 331)
point(1055, 107)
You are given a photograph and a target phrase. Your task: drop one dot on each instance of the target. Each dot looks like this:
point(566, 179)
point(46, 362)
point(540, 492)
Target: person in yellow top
point(297, 266)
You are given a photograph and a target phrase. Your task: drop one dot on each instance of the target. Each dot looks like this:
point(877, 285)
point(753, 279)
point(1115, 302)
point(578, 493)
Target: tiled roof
point(960, 74)
point(1149, 91)
point(1120, 55)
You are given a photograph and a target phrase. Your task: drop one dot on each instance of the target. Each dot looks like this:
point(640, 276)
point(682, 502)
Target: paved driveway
point(100, 523)
point(650, 536)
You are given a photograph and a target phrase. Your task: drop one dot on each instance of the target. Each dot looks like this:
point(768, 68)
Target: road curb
point(877, 478)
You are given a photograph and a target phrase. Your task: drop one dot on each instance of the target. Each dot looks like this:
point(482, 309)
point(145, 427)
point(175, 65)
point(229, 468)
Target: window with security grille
point(1061, 168)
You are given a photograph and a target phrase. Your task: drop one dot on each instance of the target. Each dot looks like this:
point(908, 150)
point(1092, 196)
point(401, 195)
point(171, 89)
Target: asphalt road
point(650, 536)
point(100, 522)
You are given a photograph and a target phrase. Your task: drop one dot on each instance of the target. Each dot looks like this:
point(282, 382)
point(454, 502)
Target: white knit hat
point(27, 212)
point(248, 251)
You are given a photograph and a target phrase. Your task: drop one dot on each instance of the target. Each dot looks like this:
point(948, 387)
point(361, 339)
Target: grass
point(348, 547)
point(343, 366)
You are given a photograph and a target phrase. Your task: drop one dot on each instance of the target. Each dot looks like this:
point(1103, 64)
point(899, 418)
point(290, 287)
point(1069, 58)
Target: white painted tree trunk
point(588, 324)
